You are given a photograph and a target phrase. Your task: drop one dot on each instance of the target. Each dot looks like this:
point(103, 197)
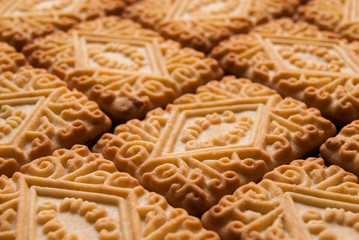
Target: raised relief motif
point(137, 55)
point(300, 200)
point(57, 219)
point(126, 69)
point(299, 61)
point(202, 24)
point(76, 194)
point(312, 57)
point(208, 144)
point(234, 131)
point(39, 114)
point(110, 54)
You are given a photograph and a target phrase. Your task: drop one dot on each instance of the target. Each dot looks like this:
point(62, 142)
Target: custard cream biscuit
point(76, 194)
point(126, 69)
point(206, 145)
point(340, 16)
point(23, 20)
point(202, 24)
point(10, 60)
point(343, 149)
point(298, 60)
point(303, 200)
point(39, 114)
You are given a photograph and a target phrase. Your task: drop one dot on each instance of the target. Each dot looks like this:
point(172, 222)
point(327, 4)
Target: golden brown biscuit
point(10, 60)
point(39, 114)
point(23, 20)
point(202, 24)
point(340, 16)
point(208, 144)
point(343, 149)
point(299, 61)
point(126, 69)
point(303, 200)
point(76, 194)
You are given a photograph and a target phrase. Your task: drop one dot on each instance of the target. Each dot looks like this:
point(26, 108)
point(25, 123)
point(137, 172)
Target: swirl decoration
point(47, 216)
point(316, 221)
point(190, 134)
point(100, 55)
point(294, 55)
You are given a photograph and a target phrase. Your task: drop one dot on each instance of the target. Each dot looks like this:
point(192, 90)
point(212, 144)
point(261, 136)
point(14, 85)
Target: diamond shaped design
point(78, 194)
point(312, 56)
point(126, 69)
point(197, 128)
point(298, 60)
point(303, 200)
point(207, 144)
point(121, 53)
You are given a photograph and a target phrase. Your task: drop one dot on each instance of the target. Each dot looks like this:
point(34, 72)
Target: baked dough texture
point(39, 114)
point(21, 21)
point(202, 24)
point(126, 69)
point(207, 144)
point(76, 194)
point(303, 200)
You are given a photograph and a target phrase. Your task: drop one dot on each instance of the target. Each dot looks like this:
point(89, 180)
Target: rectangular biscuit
point(208, 144)
point(76, 194)
point(39, 114)
point(23, 20)
point(298, 60)
point(126, 69)
point(303, 200)
point(202, 24)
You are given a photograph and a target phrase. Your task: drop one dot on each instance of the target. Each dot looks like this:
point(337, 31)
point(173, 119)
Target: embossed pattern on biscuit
point(126, 69)
point(202, 24)
point(39, 114)
point(21, 21)
point(10, 60)
point(208, 144)
point(298, 61)
point(303, 200)
point(76, 194)
point(340, 16)
point(343, 149)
